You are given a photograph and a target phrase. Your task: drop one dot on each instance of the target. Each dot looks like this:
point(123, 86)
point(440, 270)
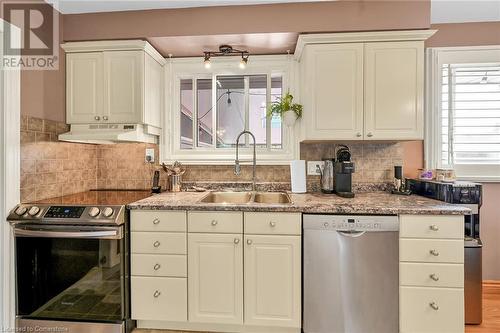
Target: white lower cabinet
point(436, 310)
point(215, 279)
point(159, 298)
point(431, 274)
point(273, 280)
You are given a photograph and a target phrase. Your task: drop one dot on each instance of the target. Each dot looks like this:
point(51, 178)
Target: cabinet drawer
point(421, 250)
point(431, 275)
point(427, 226)
point(159, 298)
point(418, 315)
point(156, 220)
point(159, 265)
point(158, 242)
point(273, 223)
point(218, 222)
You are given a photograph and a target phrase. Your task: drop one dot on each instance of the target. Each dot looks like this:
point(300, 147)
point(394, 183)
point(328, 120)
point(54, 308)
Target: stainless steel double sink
point(247, 198)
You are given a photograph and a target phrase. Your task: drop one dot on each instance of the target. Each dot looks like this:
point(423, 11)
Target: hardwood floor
point(491, 310)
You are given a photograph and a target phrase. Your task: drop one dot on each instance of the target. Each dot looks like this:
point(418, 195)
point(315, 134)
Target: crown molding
point(360, 37)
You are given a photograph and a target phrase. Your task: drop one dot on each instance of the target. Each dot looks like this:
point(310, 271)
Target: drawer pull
point(434, 227)
point(434, 306)
point(272, 224)
point(236, 241)
point(156, 221)
point(434, 253)
point(156, 244)
point(249, 242)
point(156, 294)
point(157, 267)
point(434, 277)
point(214, 222)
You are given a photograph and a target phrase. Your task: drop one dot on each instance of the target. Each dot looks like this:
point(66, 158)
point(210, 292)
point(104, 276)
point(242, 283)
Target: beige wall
point(295, 17)
point(465, 34)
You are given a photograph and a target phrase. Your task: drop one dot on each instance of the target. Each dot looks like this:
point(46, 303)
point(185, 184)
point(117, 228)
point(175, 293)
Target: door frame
point(10, 147)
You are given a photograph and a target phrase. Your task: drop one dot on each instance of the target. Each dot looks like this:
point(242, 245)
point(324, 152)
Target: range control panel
point(351, 222)
point(67, 214)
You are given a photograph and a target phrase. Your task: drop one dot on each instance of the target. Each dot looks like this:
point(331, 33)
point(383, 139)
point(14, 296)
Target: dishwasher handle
point(352, 234)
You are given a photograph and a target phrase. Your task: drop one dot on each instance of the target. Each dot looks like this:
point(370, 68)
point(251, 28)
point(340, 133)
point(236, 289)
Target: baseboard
point(195, 327)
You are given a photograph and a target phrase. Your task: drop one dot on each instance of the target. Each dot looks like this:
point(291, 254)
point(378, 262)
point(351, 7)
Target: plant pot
point(289, 118)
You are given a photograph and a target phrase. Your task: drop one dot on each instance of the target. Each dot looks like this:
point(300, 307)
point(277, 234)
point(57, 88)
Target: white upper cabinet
point(362, 86)
point(394, 90)
point(333, 91)
point(114, 82)
point(84, 86)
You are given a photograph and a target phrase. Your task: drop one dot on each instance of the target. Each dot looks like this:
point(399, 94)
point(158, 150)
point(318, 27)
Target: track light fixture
point(226, 50)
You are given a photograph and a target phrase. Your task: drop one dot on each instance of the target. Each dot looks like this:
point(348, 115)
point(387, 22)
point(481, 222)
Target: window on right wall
point(463, 120)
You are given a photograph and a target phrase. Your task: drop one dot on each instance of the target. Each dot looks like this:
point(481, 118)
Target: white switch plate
point(311, 167)
point(150, 155)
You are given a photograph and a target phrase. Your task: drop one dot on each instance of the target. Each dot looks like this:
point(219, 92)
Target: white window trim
point(191, 67)
point(435, 58)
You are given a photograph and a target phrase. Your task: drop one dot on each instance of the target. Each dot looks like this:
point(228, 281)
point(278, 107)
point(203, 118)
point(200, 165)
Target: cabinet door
point(123, 81)
point(273, 280)
point(334, 91)
point(84, 83)
point(215, 278)
point(394, 85)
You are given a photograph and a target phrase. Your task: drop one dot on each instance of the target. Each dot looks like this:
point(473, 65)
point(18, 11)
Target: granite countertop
point(377, 203)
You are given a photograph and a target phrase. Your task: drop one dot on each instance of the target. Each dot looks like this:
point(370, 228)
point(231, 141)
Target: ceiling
point(453, 11)
point(262, 43)
point(94, 6)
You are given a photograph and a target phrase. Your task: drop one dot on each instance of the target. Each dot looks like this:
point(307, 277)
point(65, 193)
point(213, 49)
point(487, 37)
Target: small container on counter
point(175, 183)
point(426, 174)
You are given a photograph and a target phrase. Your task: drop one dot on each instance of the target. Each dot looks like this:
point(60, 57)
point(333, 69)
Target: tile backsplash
point(50, 168)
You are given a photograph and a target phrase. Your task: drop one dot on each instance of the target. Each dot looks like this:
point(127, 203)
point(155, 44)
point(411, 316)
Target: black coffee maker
point(344, 169)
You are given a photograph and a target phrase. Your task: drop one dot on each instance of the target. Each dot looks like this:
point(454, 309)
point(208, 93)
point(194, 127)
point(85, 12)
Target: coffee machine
point(343, 170)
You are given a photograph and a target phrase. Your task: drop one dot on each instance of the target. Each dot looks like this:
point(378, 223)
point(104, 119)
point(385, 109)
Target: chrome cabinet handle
point(97, 118)
point(359, 135)
point(249, 242)
point(214, 222)
point(272, 224)
point(434, 227)
point(434, 306)
point(369, 134)
point(434, 253)
point(434, 277)
point(156, 244)
point(236, 241)
point(105, 118)
point(157, 294)
point(157, 267)
point(156, 221)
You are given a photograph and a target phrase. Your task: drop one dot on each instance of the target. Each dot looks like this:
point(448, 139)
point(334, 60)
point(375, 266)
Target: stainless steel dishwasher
point(351, 274)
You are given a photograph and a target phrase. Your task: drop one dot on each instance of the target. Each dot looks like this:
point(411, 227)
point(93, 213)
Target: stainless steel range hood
point(111, 133)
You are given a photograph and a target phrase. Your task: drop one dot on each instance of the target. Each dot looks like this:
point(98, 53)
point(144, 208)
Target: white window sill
point(480, 179)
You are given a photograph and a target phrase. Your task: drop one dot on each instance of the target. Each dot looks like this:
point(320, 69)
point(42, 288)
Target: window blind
point(470, 114)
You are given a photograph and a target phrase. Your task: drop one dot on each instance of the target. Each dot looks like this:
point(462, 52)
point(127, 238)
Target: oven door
point(75, 273)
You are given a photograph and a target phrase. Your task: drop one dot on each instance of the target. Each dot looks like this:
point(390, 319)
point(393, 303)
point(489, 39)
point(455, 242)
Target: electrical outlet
point(312, 169)
point(150, 155)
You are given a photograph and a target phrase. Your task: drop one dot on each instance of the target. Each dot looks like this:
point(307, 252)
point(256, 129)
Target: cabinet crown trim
point(114, 45)
point(360, 37)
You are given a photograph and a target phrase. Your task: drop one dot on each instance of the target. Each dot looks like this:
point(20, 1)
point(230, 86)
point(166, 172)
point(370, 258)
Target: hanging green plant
point(283, 105)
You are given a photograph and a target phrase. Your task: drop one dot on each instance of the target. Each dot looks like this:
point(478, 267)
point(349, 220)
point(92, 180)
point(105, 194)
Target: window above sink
point(207, 109)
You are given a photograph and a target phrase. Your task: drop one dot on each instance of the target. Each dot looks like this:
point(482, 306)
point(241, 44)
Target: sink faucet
point(237, 167)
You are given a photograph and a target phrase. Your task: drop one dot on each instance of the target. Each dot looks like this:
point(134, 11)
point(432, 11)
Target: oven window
point(69, 279)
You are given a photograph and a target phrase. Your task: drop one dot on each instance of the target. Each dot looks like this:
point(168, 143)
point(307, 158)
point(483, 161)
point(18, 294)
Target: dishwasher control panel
point(351, 222)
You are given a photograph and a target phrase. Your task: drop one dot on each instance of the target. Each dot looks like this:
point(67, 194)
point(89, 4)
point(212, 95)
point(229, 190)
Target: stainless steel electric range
point(72, 263)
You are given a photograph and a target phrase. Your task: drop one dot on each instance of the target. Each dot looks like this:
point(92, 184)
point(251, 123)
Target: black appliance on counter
point(466, 194)
point(343, 170)
point(73, 263)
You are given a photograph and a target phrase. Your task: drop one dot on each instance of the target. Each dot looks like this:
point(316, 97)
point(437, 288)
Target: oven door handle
point(98, 234)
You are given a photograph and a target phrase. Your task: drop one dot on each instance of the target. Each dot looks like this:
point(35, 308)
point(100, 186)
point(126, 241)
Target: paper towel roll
point(298, 175)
